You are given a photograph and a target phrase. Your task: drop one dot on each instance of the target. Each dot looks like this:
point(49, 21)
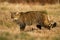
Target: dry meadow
point(11, 31)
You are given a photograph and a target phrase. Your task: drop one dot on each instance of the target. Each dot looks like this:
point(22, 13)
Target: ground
point(10, 30)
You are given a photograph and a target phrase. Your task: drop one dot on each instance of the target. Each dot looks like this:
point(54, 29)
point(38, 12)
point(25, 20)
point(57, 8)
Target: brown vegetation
point(32, 1)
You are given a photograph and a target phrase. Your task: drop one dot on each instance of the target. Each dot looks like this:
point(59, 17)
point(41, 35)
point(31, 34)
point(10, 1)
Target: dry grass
point(6, 24)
